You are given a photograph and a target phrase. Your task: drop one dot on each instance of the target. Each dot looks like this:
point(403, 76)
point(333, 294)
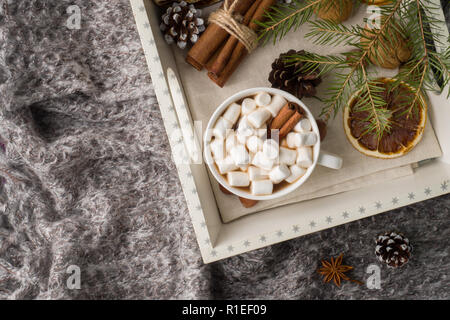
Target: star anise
point(335, 270)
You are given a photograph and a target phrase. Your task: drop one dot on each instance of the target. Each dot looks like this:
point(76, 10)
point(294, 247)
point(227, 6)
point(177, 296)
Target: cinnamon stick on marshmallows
point(287, 119)
point(221, 52)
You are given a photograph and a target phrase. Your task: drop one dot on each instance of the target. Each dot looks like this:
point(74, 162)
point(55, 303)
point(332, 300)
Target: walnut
point(387, 54)
point(334, 11)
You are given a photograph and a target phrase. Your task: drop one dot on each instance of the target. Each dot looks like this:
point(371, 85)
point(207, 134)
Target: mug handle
point(330, 160)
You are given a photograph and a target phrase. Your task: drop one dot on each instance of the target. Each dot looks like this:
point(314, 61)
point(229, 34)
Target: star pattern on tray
point(207, 241)
point(329, 219)
point(214, 253)
point(151, 42)
point(230, 248)
point(166, 92)
point(246, 243)
point(345, 214)
point(378, 205)
point(312, 224)
point(411, 196)
point(156, 59)
point(395, 200)
point(198, 208)
point(427, 191)
point(203, 225)
point(175, 125)
point(161, 75)
point(141, 8)
point(263, 239)
point(362, 210)
point(295, 228)
point(444, 186)
point(279, 233)
point(147, 25)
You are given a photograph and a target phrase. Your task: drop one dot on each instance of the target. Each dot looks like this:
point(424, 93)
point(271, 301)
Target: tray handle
point(188, 131)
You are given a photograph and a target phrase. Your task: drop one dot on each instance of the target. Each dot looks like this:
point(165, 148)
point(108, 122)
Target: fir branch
point(329, 32)
point(375, 104)
point(282, 18)
point(401, 20)
point(315, 63)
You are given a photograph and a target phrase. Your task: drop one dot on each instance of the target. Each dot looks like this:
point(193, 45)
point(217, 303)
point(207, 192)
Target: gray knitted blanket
point(89, 187)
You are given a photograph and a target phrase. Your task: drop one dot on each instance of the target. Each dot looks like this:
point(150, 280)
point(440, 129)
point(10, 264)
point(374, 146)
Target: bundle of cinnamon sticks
point(221, 53)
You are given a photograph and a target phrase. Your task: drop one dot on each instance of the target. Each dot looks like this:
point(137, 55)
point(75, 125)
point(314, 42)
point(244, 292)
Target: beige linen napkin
point(358, 171)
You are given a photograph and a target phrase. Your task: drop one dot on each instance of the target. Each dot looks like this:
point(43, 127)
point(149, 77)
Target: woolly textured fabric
point(89, 181)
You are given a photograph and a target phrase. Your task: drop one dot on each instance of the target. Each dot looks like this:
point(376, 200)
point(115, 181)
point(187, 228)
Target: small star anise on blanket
point(335, 270)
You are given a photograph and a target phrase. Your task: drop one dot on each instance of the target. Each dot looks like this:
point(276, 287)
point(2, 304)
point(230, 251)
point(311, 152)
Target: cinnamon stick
point(225, 53)
point(211, 39)
point(247, 203)
point(240, 51)
point(283, 116)
point(213, 58)
point(290, 124)
point(222, 188)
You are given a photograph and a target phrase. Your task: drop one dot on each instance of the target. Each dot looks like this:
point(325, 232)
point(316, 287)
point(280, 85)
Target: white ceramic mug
point(320, 157)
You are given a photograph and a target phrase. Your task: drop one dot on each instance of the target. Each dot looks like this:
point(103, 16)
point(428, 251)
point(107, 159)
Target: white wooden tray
point(218, 240)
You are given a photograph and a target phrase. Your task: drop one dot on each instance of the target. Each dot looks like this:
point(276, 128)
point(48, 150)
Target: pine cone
point(289, 78)
point(182, 24)
point(393, 248)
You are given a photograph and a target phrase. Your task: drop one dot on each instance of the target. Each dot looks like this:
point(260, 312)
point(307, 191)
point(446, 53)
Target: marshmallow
point(226, 165)
point(221, 127)
point(231, 141)
point(240, 155)
point(238, 179)
point(255, 173)
point(261, 187)
point(233, 112)
point(304, 157)
point(254, 144)
point(262, 133)
point(241, 139)
point(263, 99)
point(244, 128)
point(284, 143)
point(218, 149)
point(252, 156)
point(248, 106)
point(287, 156)
point(275, 106)
point(244, 167)
point(295, 140)
point(296, 173)
point(262, 162)
point(303, 126)
point(259, 117)
point(279, 173)
point(310, 139)
point(271, 149)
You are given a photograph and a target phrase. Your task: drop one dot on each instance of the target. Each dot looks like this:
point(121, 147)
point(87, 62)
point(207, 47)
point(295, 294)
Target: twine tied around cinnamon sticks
point(225, 18)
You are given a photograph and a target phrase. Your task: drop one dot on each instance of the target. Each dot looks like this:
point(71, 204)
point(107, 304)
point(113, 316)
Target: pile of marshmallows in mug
point(247, 157)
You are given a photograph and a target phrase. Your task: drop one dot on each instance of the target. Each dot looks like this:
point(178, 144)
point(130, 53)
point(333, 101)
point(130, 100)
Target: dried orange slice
point(405, 133)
